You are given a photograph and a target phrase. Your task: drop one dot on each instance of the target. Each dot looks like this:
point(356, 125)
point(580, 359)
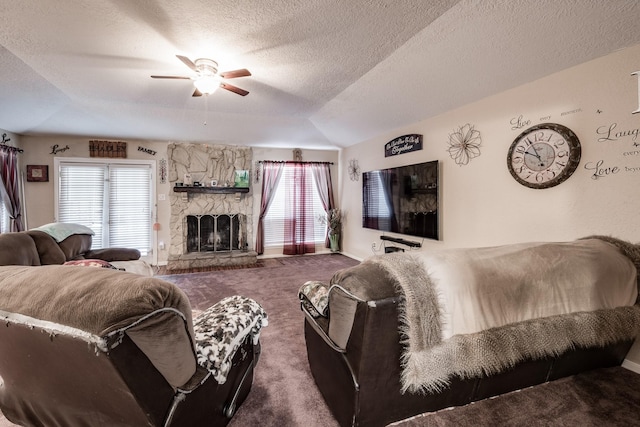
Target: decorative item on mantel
point(464, 144)
point(333, 220)
point(241, 179)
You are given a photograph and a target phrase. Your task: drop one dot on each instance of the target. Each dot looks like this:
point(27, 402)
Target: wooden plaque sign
point(115, 149)
point(403, 144)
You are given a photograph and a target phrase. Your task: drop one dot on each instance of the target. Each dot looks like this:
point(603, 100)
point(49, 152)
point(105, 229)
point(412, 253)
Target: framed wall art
point(241, 178)
point(37, 173)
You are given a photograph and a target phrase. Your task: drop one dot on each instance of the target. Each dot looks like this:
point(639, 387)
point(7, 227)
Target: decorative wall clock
point(544, 155)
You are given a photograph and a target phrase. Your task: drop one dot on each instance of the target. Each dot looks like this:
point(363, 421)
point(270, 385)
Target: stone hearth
point(205, 163)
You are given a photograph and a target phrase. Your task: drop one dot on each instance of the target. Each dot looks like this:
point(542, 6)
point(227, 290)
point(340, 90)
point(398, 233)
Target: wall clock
point(544, 155)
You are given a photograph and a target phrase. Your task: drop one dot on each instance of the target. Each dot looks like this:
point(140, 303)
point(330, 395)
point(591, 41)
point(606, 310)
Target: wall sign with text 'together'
point(403, 144)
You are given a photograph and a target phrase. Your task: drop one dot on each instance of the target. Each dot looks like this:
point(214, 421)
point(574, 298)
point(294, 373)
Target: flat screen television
point(402, 200)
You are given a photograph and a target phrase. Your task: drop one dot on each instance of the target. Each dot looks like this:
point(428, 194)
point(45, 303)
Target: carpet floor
point(603, 397)
point(284, 393)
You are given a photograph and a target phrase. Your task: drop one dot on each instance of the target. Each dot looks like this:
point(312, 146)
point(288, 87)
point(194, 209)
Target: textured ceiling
point(324, 73)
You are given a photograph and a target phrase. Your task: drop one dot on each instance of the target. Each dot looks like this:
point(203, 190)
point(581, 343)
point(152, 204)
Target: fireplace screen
point(217, 233)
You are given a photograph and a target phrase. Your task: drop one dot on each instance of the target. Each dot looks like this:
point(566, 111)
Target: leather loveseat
point(84, 346)
point(60, 243)
point(357, 341)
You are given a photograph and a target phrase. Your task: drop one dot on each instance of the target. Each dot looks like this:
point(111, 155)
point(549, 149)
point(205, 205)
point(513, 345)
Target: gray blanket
point(429, 361)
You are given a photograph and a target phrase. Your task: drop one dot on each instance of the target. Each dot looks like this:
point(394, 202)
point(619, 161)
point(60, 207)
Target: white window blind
point(275, 218)
point(5, 226)
point(112, 199)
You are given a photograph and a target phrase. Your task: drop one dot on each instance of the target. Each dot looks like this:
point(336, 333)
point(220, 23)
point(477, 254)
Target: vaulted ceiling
point(325, 73)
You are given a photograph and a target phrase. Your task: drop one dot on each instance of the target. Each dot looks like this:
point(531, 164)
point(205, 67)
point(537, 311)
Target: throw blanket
point(474, 312)
point(221, 329)
point(60, 230)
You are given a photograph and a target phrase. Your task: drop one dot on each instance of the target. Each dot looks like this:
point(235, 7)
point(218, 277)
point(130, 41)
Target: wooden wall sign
point(403, 144)
point(115, 149)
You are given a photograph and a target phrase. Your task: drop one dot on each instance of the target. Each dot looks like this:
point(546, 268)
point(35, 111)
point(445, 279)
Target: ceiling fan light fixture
point(207, 84)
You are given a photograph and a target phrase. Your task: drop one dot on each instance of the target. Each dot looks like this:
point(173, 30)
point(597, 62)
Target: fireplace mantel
point(220, 190)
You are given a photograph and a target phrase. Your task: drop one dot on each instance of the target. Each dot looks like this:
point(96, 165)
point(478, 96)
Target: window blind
point(112, 199)
point(275, 218)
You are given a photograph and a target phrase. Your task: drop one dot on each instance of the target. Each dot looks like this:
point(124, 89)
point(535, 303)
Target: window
point(5, 225)
point(274, 221)
point(113, 198)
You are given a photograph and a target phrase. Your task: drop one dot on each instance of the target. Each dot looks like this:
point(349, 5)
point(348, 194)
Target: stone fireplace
point(210, 225)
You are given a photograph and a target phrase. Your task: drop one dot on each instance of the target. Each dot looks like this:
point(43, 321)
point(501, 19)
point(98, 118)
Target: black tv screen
point(402, 200)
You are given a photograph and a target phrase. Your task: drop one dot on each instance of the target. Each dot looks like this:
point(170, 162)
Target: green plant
point(333, 220)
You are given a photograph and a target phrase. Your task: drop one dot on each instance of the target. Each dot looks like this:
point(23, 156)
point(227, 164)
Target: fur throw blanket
point(429, 361)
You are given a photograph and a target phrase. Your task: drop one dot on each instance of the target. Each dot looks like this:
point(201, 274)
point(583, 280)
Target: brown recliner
point(87, 346)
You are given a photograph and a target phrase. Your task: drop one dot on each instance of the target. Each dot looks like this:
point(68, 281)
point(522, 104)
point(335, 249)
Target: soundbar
point(409, 243)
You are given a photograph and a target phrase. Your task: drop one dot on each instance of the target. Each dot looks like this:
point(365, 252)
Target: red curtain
point(271, 173)
point(299, 219)
point(11, 193)
point(322, 175)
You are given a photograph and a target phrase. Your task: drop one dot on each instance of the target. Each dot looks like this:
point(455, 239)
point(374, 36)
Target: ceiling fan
point(207, 79)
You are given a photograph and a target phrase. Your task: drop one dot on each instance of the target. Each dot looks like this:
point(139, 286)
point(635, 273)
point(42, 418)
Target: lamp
point(207, 84)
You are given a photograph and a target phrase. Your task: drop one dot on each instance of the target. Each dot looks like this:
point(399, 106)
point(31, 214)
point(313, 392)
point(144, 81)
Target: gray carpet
point(603, 397)
point(283, 392)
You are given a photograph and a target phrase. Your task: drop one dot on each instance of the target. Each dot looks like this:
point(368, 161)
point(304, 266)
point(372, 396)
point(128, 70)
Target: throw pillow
point(314, 296)
point(91, 263)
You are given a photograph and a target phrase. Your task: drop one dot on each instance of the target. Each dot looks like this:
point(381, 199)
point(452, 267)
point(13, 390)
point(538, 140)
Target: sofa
point(407, 333)
point(101, 347)
point(61, 243)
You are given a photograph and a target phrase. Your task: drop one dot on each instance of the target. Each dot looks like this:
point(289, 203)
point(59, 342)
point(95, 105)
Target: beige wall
point(482, 205)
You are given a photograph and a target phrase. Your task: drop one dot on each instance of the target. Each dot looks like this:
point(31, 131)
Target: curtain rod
point(294, 162)
point(4, 141)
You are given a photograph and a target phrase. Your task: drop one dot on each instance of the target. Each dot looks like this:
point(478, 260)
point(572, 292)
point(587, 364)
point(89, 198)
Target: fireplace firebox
point(215, 233)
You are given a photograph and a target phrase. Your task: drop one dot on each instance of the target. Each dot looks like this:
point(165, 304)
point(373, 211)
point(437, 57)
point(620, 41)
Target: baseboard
point(357, 258)
point(632, 366)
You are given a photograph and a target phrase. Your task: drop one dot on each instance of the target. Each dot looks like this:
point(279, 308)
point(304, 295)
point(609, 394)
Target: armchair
point(100, 347)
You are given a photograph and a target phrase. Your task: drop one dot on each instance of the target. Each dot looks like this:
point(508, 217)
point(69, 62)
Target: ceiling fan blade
point(189, 63)
point(197, 93)
point(234, 89)
point(235, 73)
point(171, 77)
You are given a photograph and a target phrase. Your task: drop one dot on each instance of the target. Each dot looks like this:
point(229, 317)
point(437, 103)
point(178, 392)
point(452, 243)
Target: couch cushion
point(154, 313)
point(48, 249)
point(114, 254)
point(75, 246)
point(18, 249)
